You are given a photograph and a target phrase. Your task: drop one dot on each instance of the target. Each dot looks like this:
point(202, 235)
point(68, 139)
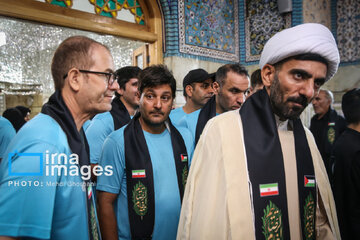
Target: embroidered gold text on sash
point(185, 173)
point(94, 230)
point(272, 222)
point(331, 135)
point(309, 217)
point(140, 199)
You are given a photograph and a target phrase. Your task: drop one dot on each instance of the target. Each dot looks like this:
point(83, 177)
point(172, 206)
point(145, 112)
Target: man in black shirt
point(326, 126)
point(347, 169)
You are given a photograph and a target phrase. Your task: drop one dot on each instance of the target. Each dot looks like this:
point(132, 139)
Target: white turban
point(304, 38)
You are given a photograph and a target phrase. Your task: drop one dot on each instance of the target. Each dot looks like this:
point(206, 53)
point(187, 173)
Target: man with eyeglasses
point(45, 191)
point(124, 104)
point(231, 87)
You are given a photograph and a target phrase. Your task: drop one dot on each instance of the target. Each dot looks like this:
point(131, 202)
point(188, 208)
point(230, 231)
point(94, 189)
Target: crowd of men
point(108, 158)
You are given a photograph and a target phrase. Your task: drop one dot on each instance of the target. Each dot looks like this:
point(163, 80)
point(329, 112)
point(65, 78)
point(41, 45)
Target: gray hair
point(329, 95)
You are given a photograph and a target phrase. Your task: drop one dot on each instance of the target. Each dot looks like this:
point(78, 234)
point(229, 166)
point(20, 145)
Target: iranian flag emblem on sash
point(89, 191)
point(270, 189)
point(138, 173)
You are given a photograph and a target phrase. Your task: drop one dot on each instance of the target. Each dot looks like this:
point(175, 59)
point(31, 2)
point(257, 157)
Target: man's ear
point(74, 79)
point(189, 90)
point(216, 87)
point(268, 75)
point(120, 91)
point(329, 100)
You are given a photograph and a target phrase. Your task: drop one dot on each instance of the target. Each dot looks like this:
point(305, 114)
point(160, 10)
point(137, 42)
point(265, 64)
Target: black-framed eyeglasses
point(110, 76)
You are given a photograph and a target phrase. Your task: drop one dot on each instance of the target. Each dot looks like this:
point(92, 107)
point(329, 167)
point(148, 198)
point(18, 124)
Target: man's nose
point(210, 90)
point(240, 99)
point(307, 89)
point(157, 103)
point(114, 86)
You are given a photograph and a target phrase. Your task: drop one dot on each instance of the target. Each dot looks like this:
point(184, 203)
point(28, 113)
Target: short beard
point(279, 106)
point(149, 122)
point(153, 124)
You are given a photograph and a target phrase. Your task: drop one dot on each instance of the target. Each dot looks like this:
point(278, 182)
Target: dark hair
point(223, 70)
point(24, 110)
point(351, 105)
point(255, 78)
point(156, 75)
point(198, 75)
point(15, 117)
point(72, 52)
point(303, 57)
point(124, 74)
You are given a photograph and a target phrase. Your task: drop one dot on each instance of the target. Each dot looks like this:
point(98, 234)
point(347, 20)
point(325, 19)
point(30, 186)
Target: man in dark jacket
point(347, 169)
point(326, 125)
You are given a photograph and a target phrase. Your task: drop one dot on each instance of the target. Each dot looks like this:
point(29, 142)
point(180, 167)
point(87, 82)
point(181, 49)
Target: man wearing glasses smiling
point(60, 205)
point(124, 105)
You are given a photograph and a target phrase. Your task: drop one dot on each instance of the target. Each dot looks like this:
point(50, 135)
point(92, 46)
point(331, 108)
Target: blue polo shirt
point(86, 124)
point(167, 200)
point(189, 121)
point(36, 200)
point(100, 127)
point(7, 132)
point(176, 115)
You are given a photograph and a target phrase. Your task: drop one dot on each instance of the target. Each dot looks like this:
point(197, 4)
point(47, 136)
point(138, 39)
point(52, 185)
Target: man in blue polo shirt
point(124, 104)
point(45, 191)
point(150, 158)
point(7, 132)
point(231, 87)
point(197, 90)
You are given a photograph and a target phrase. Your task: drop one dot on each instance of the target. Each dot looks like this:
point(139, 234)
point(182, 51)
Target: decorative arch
point(43, 12)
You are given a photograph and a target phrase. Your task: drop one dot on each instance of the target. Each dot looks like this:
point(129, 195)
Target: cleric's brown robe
point(217, 203)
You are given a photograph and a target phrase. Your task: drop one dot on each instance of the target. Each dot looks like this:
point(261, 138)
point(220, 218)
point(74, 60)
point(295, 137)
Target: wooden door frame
point(142, 51)
point(60, 16)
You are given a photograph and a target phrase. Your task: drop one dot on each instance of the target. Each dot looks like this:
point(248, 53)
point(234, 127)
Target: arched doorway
point(149, 33)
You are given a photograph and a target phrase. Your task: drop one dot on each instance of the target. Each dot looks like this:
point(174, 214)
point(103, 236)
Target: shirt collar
point(283, 125)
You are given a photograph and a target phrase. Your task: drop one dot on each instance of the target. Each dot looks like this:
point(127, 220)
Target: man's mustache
point(302, 100)
point(157, 112)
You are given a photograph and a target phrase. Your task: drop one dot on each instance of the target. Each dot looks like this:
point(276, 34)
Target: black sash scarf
point(332, 131)
point(206, 113)
point(267, 174)
point(57, 109)
point(139, 176)
point(119, 113)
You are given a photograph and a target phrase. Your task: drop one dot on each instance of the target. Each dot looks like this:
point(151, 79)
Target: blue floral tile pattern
point(263, 20)
point(348, 30)
point(209, 28)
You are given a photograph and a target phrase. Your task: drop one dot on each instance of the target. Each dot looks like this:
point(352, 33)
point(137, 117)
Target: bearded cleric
point(256, 172)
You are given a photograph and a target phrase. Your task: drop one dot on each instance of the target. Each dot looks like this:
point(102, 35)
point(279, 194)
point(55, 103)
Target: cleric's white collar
point(283, 125)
